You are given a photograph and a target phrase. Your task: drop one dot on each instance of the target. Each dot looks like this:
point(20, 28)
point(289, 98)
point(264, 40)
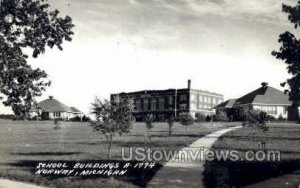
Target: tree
point(27, 25)
point(186, 120)
point(112, 118)
point(149, 126)
point(289, 52)
point(171, 121)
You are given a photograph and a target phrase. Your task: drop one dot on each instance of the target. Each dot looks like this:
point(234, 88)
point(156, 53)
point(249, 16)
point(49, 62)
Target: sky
point(223, 46)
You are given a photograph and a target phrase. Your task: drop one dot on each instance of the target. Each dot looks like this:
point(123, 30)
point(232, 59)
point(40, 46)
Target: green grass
point(24, 143)
point(282, 137)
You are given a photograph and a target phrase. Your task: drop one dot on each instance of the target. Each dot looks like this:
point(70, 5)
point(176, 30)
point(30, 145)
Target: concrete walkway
point(186, 170)
point(4, 183)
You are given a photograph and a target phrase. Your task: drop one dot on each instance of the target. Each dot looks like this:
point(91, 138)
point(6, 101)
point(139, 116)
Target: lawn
point(23, 144)
point(284, 173)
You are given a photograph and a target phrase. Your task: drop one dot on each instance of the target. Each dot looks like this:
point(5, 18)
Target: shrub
point(75, 119)
point(149, 122)
point(208, 118)
point(270, 118)
point(85, 118)
point(200, 117)
point(186, 119)
point(256, 117)
point(220, 117)
point(7, 116)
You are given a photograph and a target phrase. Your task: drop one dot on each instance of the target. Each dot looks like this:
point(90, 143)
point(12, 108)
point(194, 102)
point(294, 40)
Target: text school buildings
point(163, 103)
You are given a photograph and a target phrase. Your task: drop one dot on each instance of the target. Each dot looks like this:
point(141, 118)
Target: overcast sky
point(223, 46)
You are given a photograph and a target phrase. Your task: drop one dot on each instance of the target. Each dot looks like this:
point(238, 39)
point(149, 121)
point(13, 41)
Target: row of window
point(201, 107)
point(206, 99)
point(269, 109)
point(57, 114)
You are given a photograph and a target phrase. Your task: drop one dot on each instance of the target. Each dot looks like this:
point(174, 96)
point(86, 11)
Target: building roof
point(265, 95)
point(75, 110)
point(53, 105)
point(226, 104)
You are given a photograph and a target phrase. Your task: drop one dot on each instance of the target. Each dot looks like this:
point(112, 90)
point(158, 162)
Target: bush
point(75, 119)
point(186, 119)
point(256, 117)
point(208, 118)
point(85, 118)
point(6, 116)
point(200, 117)
point(270, 118)
point(149, 122)
point(220, 117)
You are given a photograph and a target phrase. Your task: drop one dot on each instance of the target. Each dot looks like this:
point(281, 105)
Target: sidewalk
point(4, 183)
point(186, 173)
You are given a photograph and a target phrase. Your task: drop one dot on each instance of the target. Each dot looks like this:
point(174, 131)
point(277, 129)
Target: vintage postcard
point(149, 93)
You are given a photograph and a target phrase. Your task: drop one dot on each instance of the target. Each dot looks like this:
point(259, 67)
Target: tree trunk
point(109, 146)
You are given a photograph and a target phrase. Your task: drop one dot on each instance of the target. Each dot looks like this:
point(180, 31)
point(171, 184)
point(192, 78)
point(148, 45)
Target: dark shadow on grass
point(239, 174)
point(137, 176)
point(46, 153)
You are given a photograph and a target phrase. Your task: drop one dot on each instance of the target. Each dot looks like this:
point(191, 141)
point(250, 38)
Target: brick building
point(161, 103)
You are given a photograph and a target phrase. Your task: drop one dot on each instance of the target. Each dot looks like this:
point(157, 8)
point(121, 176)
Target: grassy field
point(284, 173)
point(25, 143)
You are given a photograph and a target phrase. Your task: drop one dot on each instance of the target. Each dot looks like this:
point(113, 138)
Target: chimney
point(50, 97)
point(264, 84)
point(189, 84)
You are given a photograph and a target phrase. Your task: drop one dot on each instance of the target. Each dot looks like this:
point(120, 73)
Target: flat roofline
point(169, 90)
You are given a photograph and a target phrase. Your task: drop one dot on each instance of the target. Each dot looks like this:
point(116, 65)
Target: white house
point(54, 109)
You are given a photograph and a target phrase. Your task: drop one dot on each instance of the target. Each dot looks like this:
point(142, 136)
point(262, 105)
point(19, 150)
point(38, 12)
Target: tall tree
point(30, 25)
point(112, 118)
point(289, 52)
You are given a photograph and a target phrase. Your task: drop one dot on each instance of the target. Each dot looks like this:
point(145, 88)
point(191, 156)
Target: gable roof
point(53, 105)
point(226, 104)
point(75, 110)
point(265, 95)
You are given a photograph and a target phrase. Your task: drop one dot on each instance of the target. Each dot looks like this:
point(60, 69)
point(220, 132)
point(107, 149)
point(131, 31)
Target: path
point(186, 170)
point(4, 183)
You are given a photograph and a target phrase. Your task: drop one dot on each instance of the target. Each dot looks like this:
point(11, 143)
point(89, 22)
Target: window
point(161, 104)
point(57, 114)
point(205, 99)
point(214, 101)
point(200, 98)
point(269, 109)
point(183, 97)
point(193, 97)
point(146, 104)
point(193, 106)
point(154, 104)
point(183, 106)
point(208, 100)
point(138, 105)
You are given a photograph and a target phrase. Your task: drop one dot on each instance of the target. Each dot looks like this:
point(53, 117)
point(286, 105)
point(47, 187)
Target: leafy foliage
point(27, 25)
point(289, 52)
point(200, 117)
point(149, 121)
point(221, 117)
point(112, 118)
point(186, 119)
point(256, 119)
